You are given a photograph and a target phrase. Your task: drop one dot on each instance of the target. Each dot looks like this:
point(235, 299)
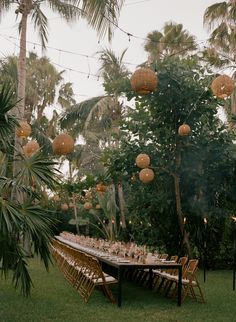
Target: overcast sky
point(138, 17)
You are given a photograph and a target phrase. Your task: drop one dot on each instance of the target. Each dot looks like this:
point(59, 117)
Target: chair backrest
point(163, 256)
point(192, 267)
point(174, 258)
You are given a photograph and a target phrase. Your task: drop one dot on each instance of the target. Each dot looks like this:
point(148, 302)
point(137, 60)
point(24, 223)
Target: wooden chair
point(160, 274)
point(190, 285)
point(92, 276)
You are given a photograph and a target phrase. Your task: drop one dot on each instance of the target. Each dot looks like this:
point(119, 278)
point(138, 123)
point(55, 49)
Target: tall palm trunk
point(25, 7)
point(19, 109)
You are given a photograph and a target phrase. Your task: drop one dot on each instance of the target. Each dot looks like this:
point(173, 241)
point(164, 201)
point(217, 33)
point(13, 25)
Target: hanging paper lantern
point(142, 160)
point(31, 147)
point(24, 130)
point(146, 175)
point(88, 205)
point(63, 144)
point(64, 206)
point(143, 81)
point(184, 130)
point(222, 86)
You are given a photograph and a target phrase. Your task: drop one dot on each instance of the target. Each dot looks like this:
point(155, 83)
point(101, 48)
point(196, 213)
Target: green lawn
point(53, 299)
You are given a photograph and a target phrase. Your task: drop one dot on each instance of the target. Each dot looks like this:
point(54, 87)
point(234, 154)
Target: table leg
point(180, 287)
point(150, 281)
point(120, 273)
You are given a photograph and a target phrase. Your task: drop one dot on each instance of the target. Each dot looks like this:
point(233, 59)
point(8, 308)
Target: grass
point(53, 299)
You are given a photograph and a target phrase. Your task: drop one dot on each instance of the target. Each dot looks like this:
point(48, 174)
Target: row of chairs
point(83, 271)
point(166, 281)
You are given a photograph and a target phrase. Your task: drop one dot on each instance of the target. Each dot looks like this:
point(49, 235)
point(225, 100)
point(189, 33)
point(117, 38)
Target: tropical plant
point(174, 40)
point(190, 172)
point(220, 19)
point(101, 15)
point(22, 218)
point(98, 119)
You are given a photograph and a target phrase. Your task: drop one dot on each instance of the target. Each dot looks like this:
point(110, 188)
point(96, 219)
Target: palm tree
point(101, 15)
point(98, 119)
point(220, 18)
point(27, 218)
point(174, 40)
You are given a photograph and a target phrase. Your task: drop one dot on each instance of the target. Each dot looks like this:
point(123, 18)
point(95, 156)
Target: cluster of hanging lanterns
point(146, 175)
point(144, 81)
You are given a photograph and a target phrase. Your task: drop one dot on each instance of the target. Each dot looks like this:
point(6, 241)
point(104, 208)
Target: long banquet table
point(123, 264)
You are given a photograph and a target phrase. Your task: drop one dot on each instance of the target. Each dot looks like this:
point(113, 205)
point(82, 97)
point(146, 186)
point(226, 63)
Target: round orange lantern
point(146, 175)
point(222, 86)
point(63, 144)
point(88, 205)
point(30, 148)
point(142, 160)
point(24, 130)
point(64, 206)
point(184, 130)
point(143, 81)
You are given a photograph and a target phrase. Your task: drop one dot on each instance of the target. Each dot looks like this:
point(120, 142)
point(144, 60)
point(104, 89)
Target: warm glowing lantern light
point(63, 144)
point(31, 147)
point(24, 130)
point(184, 130)
point(143, 81)
point(146, 175)
point(142, 160)
point(222, 86)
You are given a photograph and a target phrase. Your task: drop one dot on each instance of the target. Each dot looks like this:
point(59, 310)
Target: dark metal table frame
point(122, 266)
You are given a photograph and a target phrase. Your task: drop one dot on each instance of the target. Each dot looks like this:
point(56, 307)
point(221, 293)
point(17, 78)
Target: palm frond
point(7, 121)
point(40, 171)
point(40, 24)
point(214, 13)
point(4, 6)
point(102, 15)
point(67, 9)
point(79, 112)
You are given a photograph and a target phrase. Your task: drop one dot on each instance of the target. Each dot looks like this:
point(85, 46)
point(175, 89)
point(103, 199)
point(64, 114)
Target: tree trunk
point(185, 238)
point(74, 199)
point(180, 216)
point(19, 109)
point(122, 205)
